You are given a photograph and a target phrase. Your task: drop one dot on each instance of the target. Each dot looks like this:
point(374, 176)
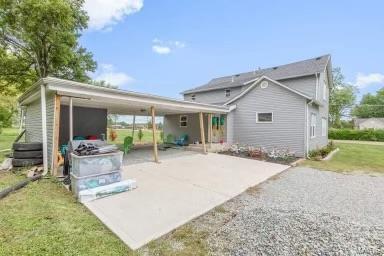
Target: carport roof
point(117, 101)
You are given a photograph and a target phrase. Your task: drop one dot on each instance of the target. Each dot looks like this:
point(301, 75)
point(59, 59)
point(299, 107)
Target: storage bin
point(96, 164)
point(87, 182)
point(108, 190)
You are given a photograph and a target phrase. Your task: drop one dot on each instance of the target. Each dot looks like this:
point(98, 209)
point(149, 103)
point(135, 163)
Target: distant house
point(279, 107)
point(369, 123)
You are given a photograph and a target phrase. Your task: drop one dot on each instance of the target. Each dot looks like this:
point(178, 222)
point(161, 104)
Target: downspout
point(307, 127)
point(44, 128)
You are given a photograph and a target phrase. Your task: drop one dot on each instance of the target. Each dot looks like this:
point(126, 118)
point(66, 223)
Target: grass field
point(122, 133)
point(7, 137)
point(353, 157)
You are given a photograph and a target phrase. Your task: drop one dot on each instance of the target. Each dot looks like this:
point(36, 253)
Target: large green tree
point(341, 98)
point(371, 105)
point(39, 38)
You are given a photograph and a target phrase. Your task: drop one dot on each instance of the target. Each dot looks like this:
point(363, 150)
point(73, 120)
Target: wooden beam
point(133, 127)
point(70, 119)
point(155, 154)
point(202, 136)
point(56, 135)
point(210, 129)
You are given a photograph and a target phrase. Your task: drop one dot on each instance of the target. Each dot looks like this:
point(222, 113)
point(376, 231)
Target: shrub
point(322, 152)
point(349, 134)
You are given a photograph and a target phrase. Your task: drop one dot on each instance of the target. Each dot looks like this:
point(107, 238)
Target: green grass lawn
point(353, 157)
point(44, 219)
point(7, 137)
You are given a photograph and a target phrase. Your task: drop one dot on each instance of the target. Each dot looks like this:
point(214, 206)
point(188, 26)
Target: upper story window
point(183, 121)
point(266, 117)
point(313, 125)
point(325, 89)
point(227, 92)
point(193, 97)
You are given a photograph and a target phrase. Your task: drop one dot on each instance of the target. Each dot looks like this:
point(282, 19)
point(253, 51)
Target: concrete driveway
point(175, 191)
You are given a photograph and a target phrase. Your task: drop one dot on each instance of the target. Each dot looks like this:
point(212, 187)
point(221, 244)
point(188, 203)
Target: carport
point(50, 94)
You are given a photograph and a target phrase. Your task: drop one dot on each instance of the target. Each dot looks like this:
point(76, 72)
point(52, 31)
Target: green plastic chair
point(169, 139)
point(128, 144)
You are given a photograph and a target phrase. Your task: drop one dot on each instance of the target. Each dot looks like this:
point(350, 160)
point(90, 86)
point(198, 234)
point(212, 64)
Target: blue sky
point(164, 47)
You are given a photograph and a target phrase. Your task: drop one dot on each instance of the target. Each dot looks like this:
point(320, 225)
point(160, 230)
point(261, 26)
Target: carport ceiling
point(125, 108)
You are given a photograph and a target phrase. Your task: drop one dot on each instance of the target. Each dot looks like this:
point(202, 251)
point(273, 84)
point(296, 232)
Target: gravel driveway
point(301, 212)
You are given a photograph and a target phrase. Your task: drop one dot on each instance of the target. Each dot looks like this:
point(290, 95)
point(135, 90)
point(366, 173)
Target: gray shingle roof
point(296, 69)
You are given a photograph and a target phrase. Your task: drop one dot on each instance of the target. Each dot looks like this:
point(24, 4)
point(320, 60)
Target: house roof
point(115, 100)
point(297, 69)
point(359, 121)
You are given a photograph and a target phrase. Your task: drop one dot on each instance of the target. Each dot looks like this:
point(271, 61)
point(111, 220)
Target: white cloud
point(363, 80)
point(105, 13)
point(161, 49)
point(166, 47)
point(108, 74)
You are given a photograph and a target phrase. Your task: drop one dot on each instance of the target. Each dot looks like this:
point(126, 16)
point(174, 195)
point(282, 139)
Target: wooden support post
point(156, 157)
point(210, 130)
point(202, 136)
point(133, 127)
point(56, 134)
point(70, 119)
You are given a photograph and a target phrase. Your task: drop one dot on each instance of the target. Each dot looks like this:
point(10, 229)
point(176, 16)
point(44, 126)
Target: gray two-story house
point(283, 107)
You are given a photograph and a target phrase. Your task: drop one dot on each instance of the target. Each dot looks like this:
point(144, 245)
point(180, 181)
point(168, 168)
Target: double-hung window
point(227, 92)
point(313, 125)
point(264, 117)
point(324, 126)
point(325, 89)
point(183, 121)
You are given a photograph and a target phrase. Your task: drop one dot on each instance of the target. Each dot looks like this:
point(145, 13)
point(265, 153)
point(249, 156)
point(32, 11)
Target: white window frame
point(325, 91)
point(263, 122)
point(227, 93)
point(324, 124)
point(186, 121)
point(312, 127)
point(193, 97)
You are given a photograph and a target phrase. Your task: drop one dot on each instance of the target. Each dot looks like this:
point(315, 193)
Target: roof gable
point(255, 83)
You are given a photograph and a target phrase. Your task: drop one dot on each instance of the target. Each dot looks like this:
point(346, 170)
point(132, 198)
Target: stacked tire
point(27, 154)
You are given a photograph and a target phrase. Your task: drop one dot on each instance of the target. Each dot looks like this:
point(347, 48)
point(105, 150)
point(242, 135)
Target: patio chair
point(182, 140)
point(128, 144)
point(169, 139)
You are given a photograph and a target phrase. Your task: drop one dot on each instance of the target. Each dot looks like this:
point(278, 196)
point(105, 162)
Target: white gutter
point(307, 127)
point(44, 128)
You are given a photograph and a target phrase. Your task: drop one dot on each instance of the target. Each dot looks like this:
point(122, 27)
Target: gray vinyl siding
point(172, 126)
point(321, 112)
point(230, 126)
point(215, 96)
point(318, 141)
point(33, 124)
point(288, 127)
point(306, 84)
point(33, 131)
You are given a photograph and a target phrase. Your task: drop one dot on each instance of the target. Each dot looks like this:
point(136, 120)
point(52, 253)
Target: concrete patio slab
point(175, 191)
